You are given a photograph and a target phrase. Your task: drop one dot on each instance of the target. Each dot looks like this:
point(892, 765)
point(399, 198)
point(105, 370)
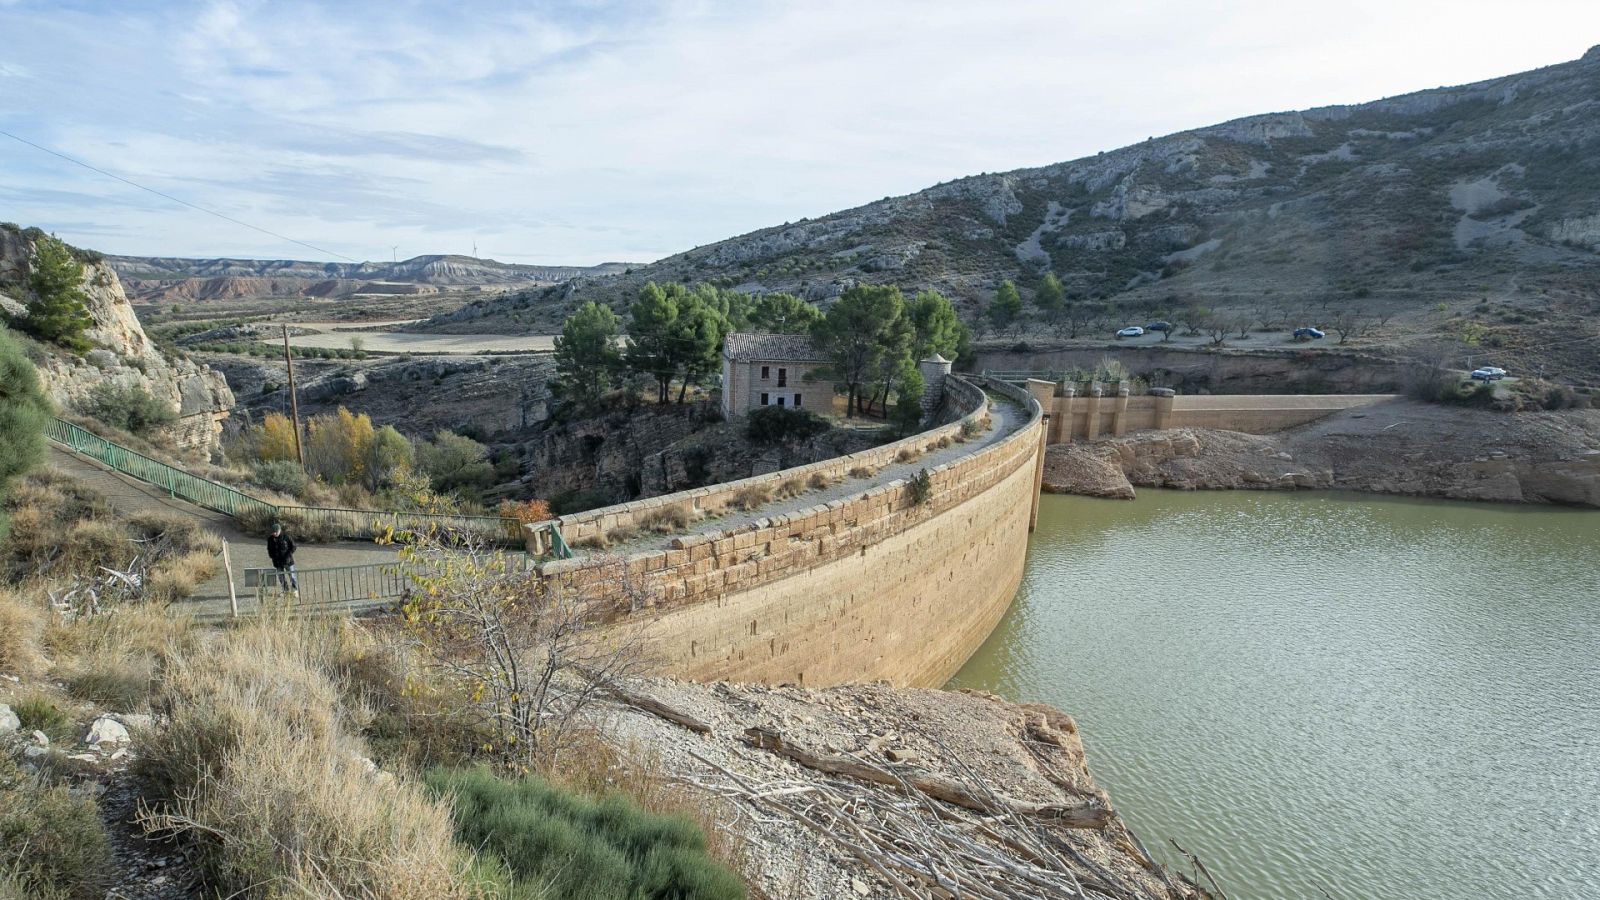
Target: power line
point(210, 212)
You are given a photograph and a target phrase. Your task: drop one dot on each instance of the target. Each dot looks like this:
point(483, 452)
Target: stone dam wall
point(1079, 413)
point(875, 586)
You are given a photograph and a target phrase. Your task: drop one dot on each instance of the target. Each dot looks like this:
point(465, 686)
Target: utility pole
point(394, 253)
point(294, 400)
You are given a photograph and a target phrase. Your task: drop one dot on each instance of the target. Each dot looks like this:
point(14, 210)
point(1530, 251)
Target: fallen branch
point(939, 787)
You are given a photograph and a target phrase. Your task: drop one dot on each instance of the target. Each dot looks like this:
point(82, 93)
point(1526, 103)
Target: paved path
point(1005, 417)
point(129, 496)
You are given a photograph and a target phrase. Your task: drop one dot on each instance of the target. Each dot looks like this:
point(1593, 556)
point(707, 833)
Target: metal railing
point(177, 483)
point(347, 523)
point(332, 584)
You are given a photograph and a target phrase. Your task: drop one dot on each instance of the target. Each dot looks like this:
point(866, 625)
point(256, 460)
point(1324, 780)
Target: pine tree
point(586, 353)
point(56, 311)
point(1006, 306)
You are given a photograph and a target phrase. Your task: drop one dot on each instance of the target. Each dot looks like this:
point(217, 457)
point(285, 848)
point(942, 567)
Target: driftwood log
point(654, 707)
point(939, 787)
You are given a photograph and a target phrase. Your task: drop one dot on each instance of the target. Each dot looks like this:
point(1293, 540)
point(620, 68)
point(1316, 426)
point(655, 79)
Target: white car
point(1130, 331)
point(1488, 373)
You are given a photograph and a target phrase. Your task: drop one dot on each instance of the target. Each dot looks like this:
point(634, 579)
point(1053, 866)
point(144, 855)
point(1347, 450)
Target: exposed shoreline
point(1401, 448)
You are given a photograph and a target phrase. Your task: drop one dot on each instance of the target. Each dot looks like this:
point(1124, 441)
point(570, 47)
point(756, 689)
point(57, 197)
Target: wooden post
point(227, 566)
point(294, 401)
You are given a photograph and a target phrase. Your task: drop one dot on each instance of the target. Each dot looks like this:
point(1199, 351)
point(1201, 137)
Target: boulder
point(106, 732)
point(9, 722)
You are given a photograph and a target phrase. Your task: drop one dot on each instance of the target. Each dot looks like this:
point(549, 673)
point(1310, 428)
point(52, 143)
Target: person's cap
point(277, 526)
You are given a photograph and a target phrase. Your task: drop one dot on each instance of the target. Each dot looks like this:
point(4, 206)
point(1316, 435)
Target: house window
point(765, 373)
point(797, 400)
point(763, 399)
point(783, 377)
point(780, 399)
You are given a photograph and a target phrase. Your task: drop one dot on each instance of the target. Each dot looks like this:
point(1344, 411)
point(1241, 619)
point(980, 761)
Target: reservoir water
point(1326, 695)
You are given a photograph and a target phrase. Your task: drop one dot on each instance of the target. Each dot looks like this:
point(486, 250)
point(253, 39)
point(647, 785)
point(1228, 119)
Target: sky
point(588, 131)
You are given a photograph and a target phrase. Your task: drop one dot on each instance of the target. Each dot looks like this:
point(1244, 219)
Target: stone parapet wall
point(716, 498)
point(872, 586)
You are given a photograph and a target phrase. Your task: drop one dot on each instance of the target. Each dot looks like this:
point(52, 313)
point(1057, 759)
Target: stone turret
point(934, 370)
point(123, 354)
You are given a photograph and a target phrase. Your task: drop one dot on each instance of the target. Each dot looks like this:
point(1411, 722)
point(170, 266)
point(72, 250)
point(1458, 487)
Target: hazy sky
point(578, 132)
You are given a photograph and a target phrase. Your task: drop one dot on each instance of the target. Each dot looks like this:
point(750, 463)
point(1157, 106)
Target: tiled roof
point(778, 347)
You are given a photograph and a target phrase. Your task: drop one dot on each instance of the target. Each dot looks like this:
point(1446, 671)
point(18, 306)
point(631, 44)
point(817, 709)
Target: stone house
point(771, 370)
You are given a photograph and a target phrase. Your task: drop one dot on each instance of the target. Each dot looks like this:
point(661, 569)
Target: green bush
point(51, 841)
point(37, 712)
point(128, 407)
point(23, 411)
point(455, 462)
point(554, 843)
point(282, 475)
point(778, 424)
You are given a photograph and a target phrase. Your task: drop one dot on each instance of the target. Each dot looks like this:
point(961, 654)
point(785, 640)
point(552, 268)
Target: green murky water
point(1327, 695)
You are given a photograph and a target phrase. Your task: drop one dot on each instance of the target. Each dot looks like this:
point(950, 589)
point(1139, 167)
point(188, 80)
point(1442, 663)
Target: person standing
point(280, 548)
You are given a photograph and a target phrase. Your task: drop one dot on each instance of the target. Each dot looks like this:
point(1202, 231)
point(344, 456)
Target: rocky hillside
point(169, 279)
point(123, 355)
point(1489, 189)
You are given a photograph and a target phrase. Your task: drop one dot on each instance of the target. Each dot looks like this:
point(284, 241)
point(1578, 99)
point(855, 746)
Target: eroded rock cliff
point(123, 354)
point(1399, 447)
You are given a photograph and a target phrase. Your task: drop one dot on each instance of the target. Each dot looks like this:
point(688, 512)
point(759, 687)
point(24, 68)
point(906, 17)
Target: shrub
point(339, 446)
point(555, 843)
point(455, 462)
point(525, 512)
point(23, 410)
point(256, 764)
point(51, 841)
point(667, 519)
point(22, 621)
point(128, 407)
point(862, 471)
point(752, 496)
point(36, 712)
point(281, 475)
point(790, 487)
point(920, 487)
point(821, 481)
point(781, 424)
point(907, 454)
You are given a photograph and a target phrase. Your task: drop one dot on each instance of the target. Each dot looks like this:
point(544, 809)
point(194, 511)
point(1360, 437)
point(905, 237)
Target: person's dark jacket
point(281, 548)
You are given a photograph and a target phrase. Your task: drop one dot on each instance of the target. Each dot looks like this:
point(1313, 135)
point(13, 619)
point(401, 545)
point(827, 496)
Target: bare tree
point(1218, 328)
point(529, 650)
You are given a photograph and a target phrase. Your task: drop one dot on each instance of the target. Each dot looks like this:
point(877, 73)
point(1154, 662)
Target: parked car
point(1309, 334)
point(1488, 373)
point(1158, 326)
point(1130, 331)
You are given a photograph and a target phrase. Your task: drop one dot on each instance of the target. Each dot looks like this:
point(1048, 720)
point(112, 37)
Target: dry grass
point(668, 519)
point(178, 577)
point(260, 766)
point(790, 487)
point(944, 442)
point(752, 496)
point(821, 481)
point(908, 454)
point(863, 471)
point(22, 624)
point(113, 658)
point(596, 541)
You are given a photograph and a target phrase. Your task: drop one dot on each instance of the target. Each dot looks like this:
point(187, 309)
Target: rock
point(9, 722)
point(34, 751)
point(860, 887)
point(41, 739)
point(105, 732)
point(135, 720)
point(102, 359)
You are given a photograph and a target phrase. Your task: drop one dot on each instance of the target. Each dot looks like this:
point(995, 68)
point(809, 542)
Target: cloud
point(571, 132)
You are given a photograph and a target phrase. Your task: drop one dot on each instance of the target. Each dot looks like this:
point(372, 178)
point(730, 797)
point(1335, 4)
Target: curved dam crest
point(874, 586)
